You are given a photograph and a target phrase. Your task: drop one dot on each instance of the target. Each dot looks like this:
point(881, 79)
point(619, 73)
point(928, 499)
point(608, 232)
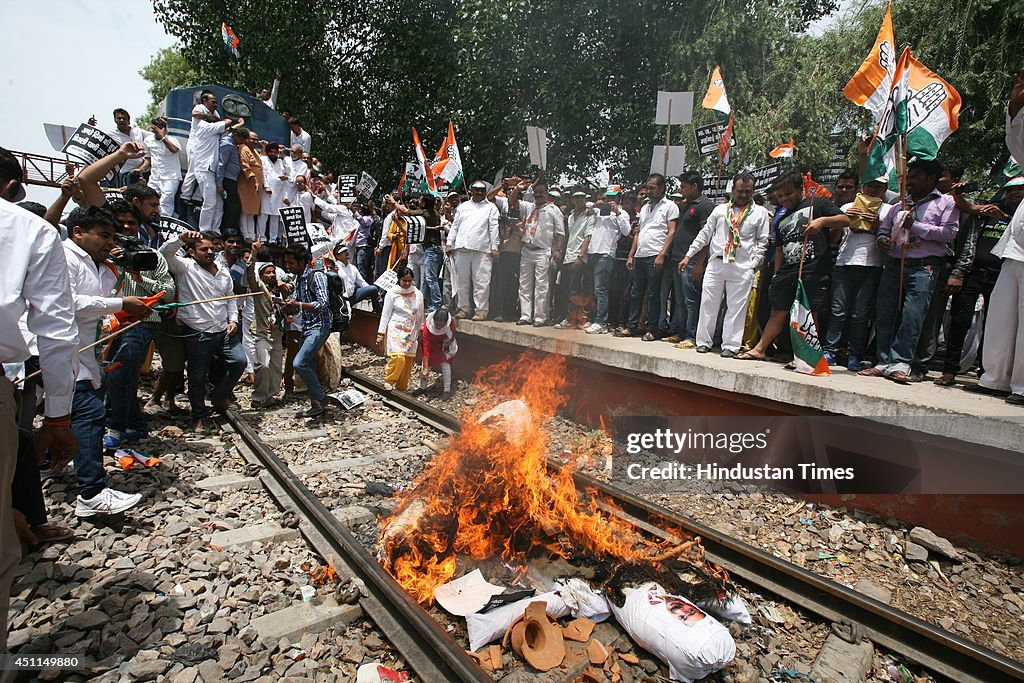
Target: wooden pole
point(208, 301)
point(668, 138)
point(96, 343)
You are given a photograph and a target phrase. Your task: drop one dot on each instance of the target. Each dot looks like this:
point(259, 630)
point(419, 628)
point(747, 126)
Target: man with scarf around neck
point(267, 328)
point(736, 237)
point(313, 301)
point(400, 323)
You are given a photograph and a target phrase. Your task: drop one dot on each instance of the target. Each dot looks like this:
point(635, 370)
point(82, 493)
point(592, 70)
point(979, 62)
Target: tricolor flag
point(813, 188)
point(448, 161)
point(807, 354)
point(421, 157)
point(784, 151)
point(725, 143)
point(870, 86)
point(716, 98)
point(230, 39)
point(923, 107)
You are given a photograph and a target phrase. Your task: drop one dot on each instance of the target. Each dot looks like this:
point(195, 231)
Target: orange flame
point(489, 493)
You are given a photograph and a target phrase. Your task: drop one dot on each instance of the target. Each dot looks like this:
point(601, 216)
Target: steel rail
point(933, 648)
point(424, 645)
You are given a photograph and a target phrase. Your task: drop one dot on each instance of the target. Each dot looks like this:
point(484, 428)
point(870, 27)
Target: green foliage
point(360, 75)
point(168, 69)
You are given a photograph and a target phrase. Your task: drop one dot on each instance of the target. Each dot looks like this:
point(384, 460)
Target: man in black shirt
point(981, 277)
point(686, 287)
point(804, 235)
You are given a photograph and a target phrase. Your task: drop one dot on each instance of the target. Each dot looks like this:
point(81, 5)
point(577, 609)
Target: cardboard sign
point(537, 140)
point(708, 137)
point(366, 185)
point(112, 195)
point(676, 160)
point(766, 175)
point(170, 228)
point(678, 105)
point(347, 187)
point(387, 280)
point(295, 232)
point(715, 187)
point(840, 144)
point(90, 144)
point(415, 229)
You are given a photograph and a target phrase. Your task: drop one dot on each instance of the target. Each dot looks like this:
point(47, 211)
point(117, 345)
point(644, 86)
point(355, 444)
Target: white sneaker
point(565, 324)
point(107, 502)
point(596, 328)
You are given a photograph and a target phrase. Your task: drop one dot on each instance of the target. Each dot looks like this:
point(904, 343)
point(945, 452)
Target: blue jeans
point(601, 267)
point(364, 262)
point(89, 422)
point(432, 294)
point(123, 381)
point(362, 293)
point(214, 358)
point(853, 294)
point(897, 332)
point(685, 301)
point(646, 282)
point(305, 359)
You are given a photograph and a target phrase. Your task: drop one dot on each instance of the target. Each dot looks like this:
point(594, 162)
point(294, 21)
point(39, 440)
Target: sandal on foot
point(946, 380)
point(747, 355)
point(871, 372)
point(52, 533)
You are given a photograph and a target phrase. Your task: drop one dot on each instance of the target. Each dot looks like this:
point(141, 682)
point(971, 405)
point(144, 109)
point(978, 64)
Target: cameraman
point(128, 351)
point(94, 281)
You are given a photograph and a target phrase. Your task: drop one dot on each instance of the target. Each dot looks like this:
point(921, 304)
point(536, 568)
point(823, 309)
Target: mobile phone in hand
point(972, 186)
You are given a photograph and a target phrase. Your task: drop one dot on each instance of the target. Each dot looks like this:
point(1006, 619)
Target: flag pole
point(668, 137)
point(96, 343)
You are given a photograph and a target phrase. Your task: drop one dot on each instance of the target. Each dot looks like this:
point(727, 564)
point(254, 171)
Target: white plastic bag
point(693, 644)
point(734, 609)
point(486, 628)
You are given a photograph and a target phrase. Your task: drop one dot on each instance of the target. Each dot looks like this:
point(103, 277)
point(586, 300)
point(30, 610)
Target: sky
point(53, 75)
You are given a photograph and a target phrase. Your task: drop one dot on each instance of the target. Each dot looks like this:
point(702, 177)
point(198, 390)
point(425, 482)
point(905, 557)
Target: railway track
point(434, 655)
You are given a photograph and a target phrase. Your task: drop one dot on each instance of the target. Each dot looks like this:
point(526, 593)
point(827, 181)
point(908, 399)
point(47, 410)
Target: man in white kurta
point(543, 238)
point(1003, 354)
point(203, 166)
point(736, 235)
point(473, 240)
point(276, 176)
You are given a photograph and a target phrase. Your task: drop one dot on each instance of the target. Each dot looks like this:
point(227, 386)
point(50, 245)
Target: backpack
point(339, 305)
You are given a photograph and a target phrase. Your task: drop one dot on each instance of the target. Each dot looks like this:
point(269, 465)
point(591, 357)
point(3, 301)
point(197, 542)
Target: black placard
point(415, 229)
point(295, 226)
point(766, 175)
point(715, 187)
point(90, 144)
point(170, 228)
point(347, 187)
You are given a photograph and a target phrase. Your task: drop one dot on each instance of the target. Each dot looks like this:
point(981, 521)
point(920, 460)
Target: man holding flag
point(914, 237)
point(802, 265)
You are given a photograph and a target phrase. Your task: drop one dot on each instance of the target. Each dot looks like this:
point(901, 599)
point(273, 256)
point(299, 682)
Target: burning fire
point(489, 493)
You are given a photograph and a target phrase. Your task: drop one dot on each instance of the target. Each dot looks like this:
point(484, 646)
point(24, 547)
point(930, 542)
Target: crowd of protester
point(88, 295)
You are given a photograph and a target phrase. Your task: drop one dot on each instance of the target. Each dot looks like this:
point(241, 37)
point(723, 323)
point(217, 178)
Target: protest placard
point(708, 137)
point(673, 165)
point(537, 141)
point(715, 187)
point(415, 229)
point(295, 226)
point(366, 185)
point(674, 108)
point(90, 144)
point(169, 228)
point(347, 187)
point(766, 175)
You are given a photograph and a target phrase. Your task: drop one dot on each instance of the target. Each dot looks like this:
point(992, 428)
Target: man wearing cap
point(543, 237)
point(983, 272)
point(474, 241)
point(267, 327)
point(1003, 356)
point(573, 270)
point(685, 287)
point(610, 223)
point(647, 258)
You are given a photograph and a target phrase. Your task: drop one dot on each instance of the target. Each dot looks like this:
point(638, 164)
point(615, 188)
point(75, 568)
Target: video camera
point(135, 255)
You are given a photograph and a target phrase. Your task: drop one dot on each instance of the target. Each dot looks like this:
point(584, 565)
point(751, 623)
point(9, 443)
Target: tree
point(168, 69)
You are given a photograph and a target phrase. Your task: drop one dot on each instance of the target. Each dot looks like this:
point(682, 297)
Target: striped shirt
point(157, 280)
point(312, 288)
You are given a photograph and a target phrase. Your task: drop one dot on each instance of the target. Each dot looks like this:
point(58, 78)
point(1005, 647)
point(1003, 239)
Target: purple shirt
point(362, 237)
point(936, 221)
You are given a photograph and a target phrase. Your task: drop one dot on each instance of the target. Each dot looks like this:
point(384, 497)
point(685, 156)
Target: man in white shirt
point(126, 132)
point(573, 270)
point(610, 223)
point(269, 98)
point(473, 240)
point(356, 288)
point(1003, 354)
point(202, 164)
point(736, 236)
point(276, 177)
point(207, 327)
point(34, 279)
point(163, 165)
point(647, 257)
point(94, 286)
point(202, 111)
point(299, 167)
point(299, 137)
point(543, 239)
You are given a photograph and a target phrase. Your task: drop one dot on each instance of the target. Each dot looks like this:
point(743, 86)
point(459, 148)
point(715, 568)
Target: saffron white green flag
point(923, 107)
point(807, 354)
point(871, 85)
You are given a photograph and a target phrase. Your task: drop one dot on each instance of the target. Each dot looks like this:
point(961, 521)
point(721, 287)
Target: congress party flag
point(716, 98)
point(807, 354)
point(871, 85)
point(923, 107)
point(725, 143)
point(784, 151)
point(230, 39)
point(421, 157)
point(814, 189)
point(447, 163)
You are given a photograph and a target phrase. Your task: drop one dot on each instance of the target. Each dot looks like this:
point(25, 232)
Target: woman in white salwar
point(401, 322)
